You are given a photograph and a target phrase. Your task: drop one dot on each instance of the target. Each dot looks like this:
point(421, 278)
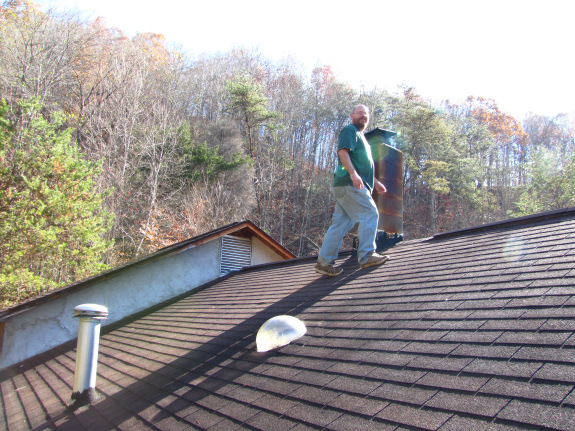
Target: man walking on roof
point(353, 184)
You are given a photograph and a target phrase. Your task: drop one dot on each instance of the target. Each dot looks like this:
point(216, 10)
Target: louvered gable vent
point(236, 253)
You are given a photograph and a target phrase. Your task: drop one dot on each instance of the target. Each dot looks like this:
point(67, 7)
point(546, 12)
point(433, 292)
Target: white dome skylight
point(279, 331)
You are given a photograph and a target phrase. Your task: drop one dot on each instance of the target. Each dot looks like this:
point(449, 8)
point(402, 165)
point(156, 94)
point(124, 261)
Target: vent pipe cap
point(94, 311)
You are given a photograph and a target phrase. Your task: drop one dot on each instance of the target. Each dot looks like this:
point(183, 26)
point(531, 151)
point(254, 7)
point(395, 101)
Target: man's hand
point(379, 187)
point(346, 162)
point(356, 179)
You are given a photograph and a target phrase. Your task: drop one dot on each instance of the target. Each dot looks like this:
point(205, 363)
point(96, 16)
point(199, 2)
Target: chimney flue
point(388, 163)
point(84, 391)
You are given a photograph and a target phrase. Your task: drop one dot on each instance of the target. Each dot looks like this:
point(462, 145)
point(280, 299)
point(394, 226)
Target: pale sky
point(518, 52)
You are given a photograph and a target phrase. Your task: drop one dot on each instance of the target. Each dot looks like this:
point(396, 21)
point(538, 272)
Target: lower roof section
point(475, 331)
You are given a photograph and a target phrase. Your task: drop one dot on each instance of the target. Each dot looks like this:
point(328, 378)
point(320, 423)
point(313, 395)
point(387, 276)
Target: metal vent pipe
point(91, 315)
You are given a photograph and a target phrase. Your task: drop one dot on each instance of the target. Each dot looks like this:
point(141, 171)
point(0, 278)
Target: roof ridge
point(548, 215)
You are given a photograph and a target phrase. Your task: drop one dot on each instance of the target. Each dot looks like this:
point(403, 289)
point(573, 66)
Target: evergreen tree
point(51, 218)
point(552, 184)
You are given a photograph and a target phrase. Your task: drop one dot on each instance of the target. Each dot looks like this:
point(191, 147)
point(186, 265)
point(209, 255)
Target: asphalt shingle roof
point(471, 330)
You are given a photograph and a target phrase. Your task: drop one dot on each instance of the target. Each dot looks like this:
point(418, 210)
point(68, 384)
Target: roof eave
point(246, 226)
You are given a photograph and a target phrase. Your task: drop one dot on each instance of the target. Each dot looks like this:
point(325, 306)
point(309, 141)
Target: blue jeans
point(351, 206)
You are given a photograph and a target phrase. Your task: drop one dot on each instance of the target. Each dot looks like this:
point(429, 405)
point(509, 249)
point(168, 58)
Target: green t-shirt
point(360, 154)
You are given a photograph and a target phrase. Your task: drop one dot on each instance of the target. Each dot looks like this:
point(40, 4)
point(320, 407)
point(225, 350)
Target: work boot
point(375, 259)
point(328, 270)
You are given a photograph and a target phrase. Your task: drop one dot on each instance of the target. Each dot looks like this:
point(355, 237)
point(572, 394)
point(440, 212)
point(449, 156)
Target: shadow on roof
point(234, 348)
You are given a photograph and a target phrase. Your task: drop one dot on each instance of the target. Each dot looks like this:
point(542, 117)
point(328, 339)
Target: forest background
point(112, 147)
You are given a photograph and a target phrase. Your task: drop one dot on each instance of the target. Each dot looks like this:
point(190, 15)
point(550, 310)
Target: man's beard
point(361, 126)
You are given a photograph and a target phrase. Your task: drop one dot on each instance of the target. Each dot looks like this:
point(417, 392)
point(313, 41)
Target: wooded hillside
point(169, 147)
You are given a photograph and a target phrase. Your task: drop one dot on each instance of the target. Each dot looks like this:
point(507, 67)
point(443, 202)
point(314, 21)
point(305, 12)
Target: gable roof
point(472, 330)
point(244, 229)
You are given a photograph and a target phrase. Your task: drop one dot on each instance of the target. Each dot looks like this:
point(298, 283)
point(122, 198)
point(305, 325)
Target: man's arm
point(346, 162)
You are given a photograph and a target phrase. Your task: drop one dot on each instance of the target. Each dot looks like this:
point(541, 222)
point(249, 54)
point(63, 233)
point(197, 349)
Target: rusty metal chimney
point(388, 163)
point(91, 315)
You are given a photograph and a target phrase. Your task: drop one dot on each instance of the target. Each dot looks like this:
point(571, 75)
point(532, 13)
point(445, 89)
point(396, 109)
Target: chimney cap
point(384, 133)
point(91, 310)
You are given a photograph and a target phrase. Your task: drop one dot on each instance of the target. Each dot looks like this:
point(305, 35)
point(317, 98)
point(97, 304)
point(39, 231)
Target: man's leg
point(352, 205)
point(367, 232)
point(364, 211)
point(360, 207)
point(340, 225)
